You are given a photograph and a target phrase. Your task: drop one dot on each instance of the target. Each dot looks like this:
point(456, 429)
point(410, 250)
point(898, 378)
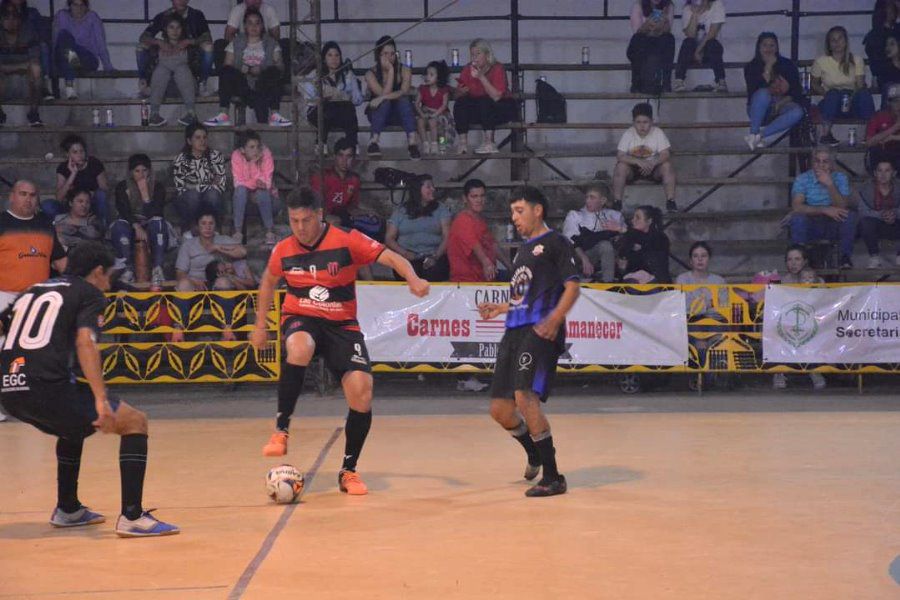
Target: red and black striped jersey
point(321, 279)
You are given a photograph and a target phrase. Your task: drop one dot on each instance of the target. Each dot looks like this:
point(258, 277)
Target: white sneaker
point(779, 381)
point(220, 120)
point(203, 89)
point(127, 277)
point(753, 140)
point(679, 86)
point(470, 385)
point(818, 381)
point(487, 148)
point(276, 120)
point(144, 526)
point(82, 516)
point(874, 262)
point(722, 86)
point(71, 94)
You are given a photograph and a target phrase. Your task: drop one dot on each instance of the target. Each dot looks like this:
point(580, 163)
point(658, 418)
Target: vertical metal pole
point(795, 30)
point(518, 168)
point(336, 14)
point(146, 10)
point(859, 383)
point(295, 109)
point(320, 113)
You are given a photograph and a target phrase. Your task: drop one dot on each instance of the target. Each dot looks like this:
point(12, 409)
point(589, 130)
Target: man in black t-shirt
point(45, 326)
point(542, 290)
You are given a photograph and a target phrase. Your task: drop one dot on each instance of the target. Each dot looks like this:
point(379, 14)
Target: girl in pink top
point(432, 103)
point(253, 168)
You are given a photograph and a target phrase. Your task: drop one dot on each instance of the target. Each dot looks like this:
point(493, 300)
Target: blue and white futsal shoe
point(144, 526)
point(82, 516)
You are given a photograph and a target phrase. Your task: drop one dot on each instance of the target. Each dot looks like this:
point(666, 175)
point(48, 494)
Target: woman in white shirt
point(839, 76)
point(701, 21)
point(651, 50)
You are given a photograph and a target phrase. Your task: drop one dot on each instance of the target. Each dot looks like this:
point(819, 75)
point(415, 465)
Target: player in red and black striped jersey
point(319, 264)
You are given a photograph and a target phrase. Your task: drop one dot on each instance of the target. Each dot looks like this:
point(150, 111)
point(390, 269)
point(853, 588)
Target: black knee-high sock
point(290, 385)
point(544, 443)
point(520, 434)
point(355, 432)
point(132, 466)
point(68, 463)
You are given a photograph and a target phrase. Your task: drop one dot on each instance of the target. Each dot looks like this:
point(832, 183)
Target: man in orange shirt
point(28, 245)
point(319, 263)
point(471, 247)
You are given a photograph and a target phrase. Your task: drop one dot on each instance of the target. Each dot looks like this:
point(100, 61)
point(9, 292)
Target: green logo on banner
point(797, 323)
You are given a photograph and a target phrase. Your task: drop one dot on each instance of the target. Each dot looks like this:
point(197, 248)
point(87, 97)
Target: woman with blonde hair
point(482, 98)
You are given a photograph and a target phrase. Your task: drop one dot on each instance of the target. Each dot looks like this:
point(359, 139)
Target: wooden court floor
point(707, 505)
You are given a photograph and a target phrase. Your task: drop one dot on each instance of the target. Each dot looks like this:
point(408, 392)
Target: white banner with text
point(603, 328)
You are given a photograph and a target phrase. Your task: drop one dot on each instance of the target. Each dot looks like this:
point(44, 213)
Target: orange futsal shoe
point(350, 483)
point(277, 445)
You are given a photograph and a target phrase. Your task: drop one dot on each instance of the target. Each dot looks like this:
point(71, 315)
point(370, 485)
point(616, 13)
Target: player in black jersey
point(543, 288)
point(45, 325)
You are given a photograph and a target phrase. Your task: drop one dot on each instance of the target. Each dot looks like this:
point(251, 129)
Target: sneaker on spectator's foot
point(470, 384)
point(374, 149)
point(277, 445)
point(414, 152)
point(874, 262)
point(47, 89)
point(127, 277)
point(753, 140)
point(144, 526)
point(71, 94)
point(276, 120)
point(220, 120)
point(678, 85)
point(462, 148)
point(34, 119)
point(846, 263)
point(829, 140)
point(721, 86)
point(143, 89)
point(818, 381)
point(779, 381)
point(187, 119)
point(156, 120)
point(349, 482)
point(487, 148)
point(157, 277)
point(548, 488)
point(203, 90)
point(434, 148)
point(671, 206)
point(82, 516)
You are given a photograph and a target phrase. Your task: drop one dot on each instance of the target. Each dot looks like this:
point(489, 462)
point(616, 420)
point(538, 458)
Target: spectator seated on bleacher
point(890, 70)
point(140, 202)
point(341, 94)
point(20, 54)
point(199, 176)
point(699, 301)
point(389, 84)
point(838, 74)
point(339, 185)
point(774, 92)
point(79, 43)
point(418, 231)
point(252, 73)
point(78, 224)
point(197, 41)
point(883, 131)
point(643, 251)
point(701, 22)
point(482, 98)
point(82, 172)
point(253, 171)
point(472, 250)
point(172, 65)
point(41, 27)
point(795, 260)
point(433, 104)
point(651, 50)
point(593, 230)
point(884, 24)
point(877, 202)
point(643, 153)
point(820, 206)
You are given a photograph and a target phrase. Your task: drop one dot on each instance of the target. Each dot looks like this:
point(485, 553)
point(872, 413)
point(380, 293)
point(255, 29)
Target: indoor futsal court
point(743, 495)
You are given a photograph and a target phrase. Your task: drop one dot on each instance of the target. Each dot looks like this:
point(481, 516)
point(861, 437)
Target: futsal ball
point(284, 484)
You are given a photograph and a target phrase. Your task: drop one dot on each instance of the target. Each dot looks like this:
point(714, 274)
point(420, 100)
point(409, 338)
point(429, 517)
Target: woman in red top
point(482, 97)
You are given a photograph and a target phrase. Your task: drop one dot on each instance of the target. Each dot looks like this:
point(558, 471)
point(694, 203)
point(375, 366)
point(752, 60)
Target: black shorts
point(526, 362)
point(62, 409)
point(343, 349)
point(636, 174)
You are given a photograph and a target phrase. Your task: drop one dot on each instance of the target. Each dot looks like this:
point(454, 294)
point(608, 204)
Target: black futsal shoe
point(553, 488)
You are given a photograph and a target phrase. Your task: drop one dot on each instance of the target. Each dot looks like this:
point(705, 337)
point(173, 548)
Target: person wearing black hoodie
point(643, 250)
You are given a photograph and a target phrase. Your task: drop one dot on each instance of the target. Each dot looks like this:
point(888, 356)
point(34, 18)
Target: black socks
point(355, 432)
point(520, 433)
point(544, 443)
point(68, 463)
point(132, 466)
point(290, 385)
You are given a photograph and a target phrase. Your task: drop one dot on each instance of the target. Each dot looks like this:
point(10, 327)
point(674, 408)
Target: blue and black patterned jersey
point(540, 269)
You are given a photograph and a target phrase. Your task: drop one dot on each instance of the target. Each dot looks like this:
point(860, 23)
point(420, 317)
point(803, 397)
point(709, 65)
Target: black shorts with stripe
point(526, 362)
point(341, 345)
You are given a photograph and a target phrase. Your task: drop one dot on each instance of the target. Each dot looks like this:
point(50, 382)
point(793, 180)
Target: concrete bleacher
point(741, 220)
